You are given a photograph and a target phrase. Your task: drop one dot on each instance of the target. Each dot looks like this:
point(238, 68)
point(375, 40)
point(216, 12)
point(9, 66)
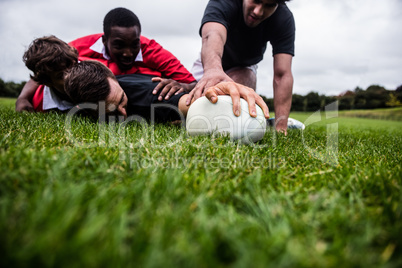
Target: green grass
point(7, 102)
point(385, 114)
point(82, 195)
point(349, 122)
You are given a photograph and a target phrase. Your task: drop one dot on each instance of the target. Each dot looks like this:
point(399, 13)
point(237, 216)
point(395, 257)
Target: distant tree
point(376, 97)
point(393, 101)
point(399, 93)
point(305, 104)
point(10, 89)
point(376, 88)
point(298, 103)
point(269, 102)
point(358, 89)
point(322, 101)
point(329, 99)
point(313, 101)
point(347, 99)
point(2, 87)
point(348, 93)
point(346, 103)
point(360, 100)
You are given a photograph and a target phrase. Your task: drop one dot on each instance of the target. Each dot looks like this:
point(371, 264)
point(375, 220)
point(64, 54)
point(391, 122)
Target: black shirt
point(245, 46)
point(141, 101)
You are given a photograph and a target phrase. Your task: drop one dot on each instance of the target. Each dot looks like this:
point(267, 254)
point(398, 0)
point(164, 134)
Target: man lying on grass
point(92, 82)
point(127, 95)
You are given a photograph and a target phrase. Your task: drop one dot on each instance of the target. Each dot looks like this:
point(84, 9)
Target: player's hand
point(237, 91)
point(167, 87)
point(209, 79)
point(281, 125)
point(23, 104)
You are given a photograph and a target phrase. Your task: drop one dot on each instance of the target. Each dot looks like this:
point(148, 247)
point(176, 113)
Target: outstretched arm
point(283, 86)
point(213, 41)
point(23, 102)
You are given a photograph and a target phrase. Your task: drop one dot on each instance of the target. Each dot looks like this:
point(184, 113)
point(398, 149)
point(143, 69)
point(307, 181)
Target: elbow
point(280, 77)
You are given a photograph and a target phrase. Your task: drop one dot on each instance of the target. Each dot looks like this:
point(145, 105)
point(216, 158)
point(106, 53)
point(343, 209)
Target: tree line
point(10, 89)
point(373, 97)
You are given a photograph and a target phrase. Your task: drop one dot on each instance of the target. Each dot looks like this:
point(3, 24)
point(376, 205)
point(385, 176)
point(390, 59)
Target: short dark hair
point(87, 81)
point(48, 54)
point(121, 17)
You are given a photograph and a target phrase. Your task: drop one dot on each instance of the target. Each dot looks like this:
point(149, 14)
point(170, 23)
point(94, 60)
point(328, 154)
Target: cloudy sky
point(339, 44)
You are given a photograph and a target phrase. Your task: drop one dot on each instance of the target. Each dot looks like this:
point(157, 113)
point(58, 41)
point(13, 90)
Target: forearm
point(213, 42)
point(283, 87)
point(211, 58)
point(29, 89)
point(24, 100)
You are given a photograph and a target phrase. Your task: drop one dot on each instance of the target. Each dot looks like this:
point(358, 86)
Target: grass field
point(78, 194)
point(7, 102)
point(385, 114)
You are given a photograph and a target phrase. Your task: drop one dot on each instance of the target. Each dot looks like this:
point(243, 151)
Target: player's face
point(57, 83)
point(116, 101)
point(256, 11)
point(123, 46)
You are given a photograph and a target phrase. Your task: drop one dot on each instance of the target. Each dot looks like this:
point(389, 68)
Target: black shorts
point(141, 101)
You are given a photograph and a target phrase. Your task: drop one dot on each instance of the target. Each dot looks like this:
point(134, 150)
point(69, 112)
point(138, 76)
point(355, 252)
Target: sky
point(340, 45)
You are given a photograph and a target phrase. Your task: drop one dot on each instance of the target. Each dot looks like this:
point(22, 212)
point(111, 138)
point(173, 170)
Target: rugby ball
point(205, 118)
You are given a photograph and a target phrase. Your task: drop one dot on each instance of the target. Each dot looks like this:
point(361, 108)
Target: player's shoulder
point(145, 41)
point(283, 12)
point(227, 6)
point(281, 19)
point(92, 38)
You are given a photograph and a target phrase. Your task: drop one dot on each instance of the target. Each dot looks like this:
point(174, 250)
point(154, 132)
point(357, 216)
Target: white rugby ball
point(205, 118)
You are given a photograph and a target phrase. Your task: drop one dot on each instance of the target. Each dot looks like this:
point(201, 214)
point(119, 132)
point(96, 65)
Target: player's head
point(91, 81)
point(256, 11)
point(120, 17)
point(122, 31)
point(48, 58)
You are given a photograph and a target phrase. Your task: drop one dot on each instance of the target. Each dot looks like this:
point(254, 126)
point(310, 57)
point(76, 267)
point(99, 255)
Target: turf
point(7, 102)
point(385, 114)
point(77, 194)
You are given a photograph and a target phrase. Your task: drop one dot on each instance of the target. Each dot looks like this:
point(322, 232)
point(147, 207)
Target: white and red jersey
point(45, 99)
point(152, 59)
